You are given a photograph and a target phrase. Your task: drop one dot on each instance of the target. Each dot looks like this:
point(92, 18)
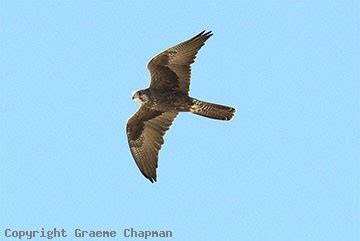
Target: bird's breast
point(170, 101)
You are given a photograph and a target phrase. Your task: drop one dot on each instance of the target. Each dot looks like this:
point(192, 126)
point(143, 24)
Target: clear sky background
point(286, 168)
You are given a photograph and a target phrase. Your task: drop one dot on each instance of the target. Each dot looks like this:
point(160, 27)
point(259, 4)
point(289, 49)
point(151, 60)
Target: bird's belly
point(172, 103)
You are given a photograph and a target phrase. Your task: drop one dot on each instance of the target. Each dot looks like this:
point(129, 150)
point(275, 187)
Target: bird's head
point(140, 96)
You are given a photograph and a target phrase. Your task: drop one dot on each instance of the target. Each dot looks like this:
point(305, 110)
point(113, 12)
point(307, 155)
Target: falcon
point(161, 102)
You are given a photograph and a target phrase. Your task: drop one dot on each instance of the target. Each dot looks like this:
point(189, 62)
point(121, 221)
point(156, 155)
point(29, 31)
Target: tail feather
point(214, 111)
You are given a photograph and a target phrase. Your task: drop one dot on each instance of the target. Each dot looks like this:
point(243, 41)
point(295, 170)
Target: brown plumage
point(166, 96)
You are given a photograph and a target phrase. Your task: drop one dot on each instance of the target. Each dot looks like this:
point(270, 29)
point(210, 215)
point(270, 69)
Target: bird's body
point(167, 95)
point(164, 100)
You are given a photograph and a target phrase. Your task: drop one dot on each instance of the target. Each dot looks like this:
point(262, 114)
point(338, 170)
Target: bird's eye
point(140, 94)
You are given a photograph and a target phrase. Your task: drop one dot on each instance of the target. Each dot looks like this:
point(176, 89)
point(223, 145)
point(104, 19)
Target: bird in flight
point(167, 95)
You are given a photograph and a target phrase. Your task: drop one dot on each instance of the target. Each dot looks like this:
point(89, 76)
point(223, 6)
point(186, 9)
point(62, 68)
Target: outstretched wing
point(145, 131)
point(170, 70)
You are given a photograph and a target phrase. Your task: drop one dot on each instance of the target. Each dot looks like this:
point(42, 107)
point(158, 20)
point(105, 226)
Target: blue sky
point(286, 168)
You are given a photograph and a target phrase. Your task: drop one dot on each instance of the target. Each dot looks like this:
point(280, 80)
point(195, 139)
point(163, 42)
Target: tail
point(214, 111)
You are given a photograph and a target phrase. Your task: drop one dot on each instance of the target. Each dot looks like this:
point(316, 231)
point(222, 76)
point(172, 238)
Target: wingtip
point(152, 179)
point(203, 33)
point(208, 33)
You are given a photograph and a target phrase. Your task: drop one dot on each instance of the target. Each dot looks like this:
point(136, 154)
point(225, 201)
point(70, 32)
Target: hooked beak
point(133, 95)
